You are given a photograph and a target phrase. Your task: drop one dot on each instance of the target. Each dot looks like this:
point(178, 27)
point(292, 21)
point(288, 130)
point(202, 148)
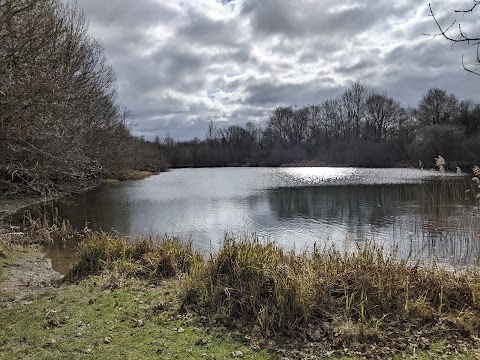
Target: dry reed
point(283, 292)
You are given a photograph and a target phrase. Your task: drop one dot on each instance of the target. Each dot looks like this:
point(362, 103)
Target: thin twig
point(462, 36)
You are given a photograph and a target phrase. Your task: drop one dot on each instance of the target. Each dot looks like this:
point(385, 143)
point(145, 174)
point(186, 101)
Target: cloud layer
point(181, 64)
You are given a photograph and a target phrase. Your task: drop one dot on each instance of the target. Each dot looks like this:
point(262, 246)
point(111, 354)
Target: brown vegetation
point(61, 128)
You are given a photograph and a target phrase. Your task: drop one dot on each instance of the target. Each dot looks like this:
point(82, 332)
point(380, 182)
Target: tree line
point(359, 127)
point(61, 127)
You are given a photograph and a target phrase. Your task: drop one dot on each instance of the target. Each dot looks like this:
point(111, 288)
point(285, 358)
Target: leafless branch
point(469, 70)
point(462, 36)
point(475, 3)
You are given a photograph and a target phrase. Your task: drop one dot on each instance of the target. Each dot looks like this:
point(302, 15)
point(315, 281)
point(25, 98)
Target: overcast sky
point(183, 63)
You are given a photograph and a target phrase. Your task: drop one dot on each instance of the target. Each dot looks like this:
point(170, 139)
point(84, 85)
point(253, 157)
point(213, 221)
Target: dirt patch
point(30, 275)
point(25, 270)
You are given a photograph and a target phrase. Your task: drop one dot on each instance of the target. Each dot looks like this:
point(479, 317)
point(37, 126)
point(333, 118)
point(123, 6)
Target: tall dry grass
point(284, 292)
point(144, 258)
point(260, 284)
point(450, 204)
point(36, 228)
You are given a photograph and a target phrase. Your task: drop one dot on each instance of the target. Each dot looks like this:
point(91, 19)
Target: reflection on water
point(399, 216)
point(405, 209)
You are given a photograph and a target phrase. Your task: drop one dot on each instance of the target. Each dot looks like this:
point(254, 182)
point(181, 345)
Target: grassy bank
point(113, 308)
point(90, 320)
point(162, 299)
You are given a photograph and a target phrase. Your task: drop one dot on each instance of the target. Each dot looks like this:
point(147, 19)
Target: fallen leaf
point(237, 354)
point(53, 323)
point(50, 343)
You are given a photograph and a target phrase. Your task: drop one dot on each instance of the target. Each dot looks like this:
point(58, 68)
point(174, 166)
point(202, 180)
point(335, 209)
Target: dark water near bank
point(412, 210)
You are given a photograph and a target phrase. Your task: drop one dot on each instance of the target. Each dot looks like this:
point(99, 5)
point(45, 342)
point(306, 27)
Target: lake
point(416, 212)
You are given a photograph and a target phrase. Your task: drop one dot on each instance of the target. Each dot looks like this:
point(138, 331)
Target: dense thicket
point(359, 127)
point(61, 128)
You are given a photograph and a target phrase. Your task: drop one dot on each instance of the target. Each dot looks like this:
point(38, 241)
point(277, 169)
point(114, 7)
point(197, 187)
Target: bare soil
point(31, 274)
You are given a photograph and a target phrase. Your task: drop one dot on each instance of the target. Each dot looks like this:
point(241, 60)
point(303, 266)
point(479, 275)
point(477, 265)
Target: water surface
point(295, 207)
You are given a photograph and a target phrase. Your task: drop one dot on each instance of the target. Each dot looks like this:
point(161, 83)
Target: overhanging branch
point(462, 36)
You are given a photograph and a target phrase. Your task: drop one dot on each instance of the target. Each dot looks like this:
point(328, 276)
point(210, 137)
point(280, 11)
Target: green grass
point(88, 320)
point(129, 323)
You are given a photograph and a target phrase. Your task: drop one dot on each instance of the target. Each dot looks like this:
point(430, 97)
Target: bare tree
point(212, 132)
point(383, 113)
point(61, 127)
point(288, 126)
point(354, 105)
point(461, 35)
point(437, 107)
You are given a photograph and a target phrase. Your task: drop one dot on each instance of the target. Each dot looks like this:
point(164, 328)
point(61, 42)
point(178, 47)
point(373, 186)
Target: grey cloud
point(177, 61)
point(308, 57)
point(297, 18)
point(409, 88)
point(182, 64)
point(206, 31)
point(266, 93)
point(167, 68)
point(177, 127)
point(127, 14)
point(356, 66)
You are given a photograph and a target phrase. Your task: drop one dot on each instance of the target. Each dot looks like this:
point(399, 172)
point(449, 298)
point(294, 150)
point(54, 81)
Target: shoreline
point(100, 310)
point(9, 206)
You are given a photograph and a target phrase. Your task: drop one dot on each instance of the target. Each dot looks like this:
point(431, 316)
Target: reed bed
point(261, 285)
point(285, 292)
point(38, 229)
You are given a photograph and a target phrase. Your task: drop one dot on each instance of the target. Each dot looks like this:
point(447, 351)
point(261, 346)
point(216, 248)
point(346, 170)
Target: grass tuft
point(143, 258)
point(282, 292)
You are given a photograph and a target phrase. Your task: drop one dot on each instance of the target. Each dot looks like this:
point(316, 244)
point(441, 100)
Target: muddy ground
point(28, 272)
point(26, 275)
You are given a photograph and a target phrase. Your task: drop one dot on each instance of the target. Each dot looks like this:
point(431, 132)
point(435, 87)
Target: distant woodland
point(62, 129)
point(360, 127)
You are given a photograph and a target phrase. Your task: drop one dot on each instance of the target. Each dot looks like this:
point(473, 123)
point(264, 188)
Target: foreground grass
point(136, 322)
point(163, 300)
point(86, 320)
